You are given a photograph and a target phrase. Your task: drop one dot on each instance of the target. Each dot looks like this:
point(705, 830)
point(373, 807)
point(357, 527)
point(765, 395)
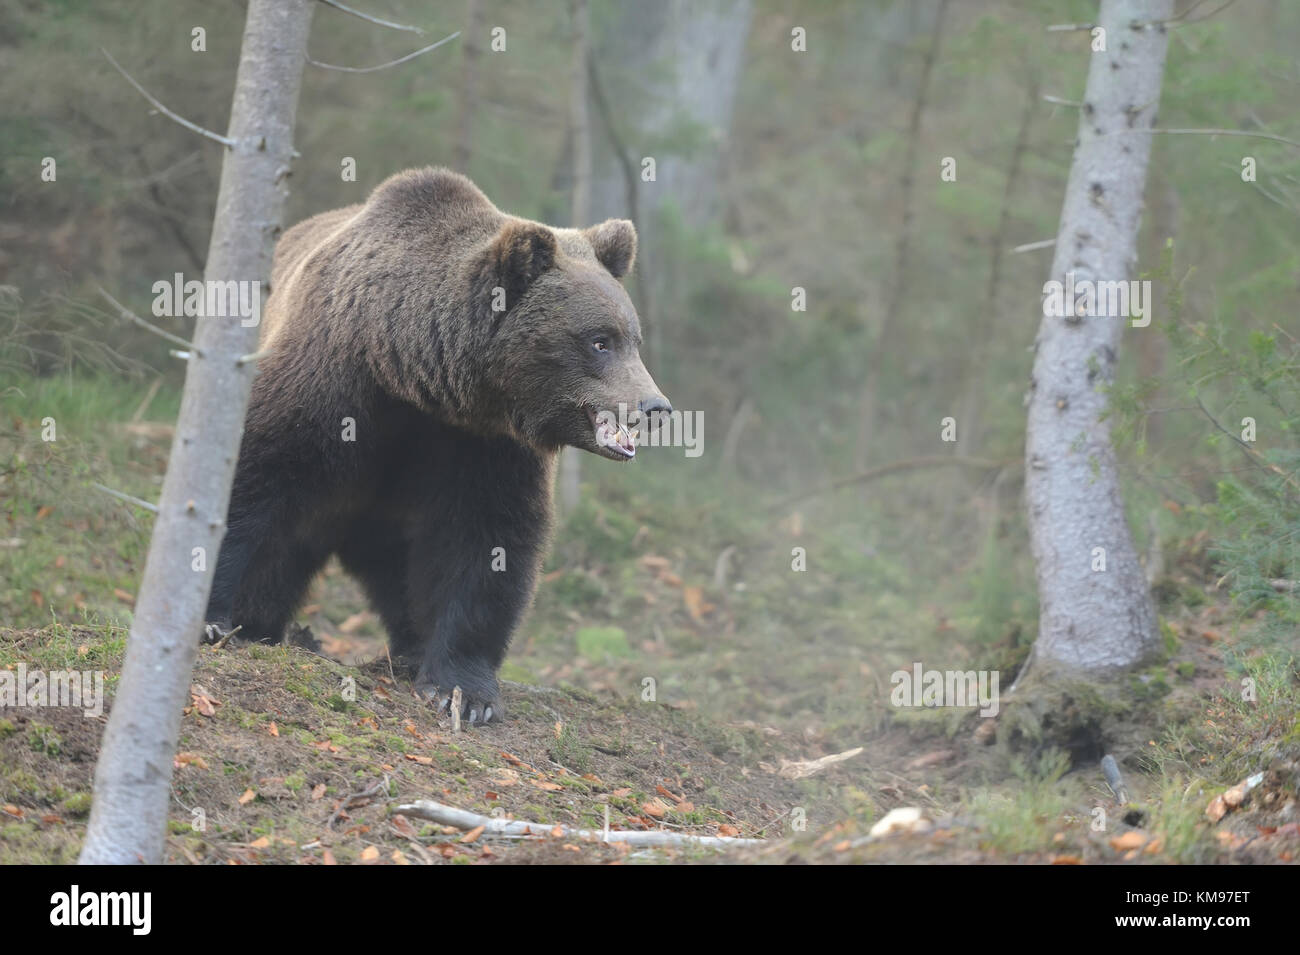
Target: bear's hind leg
point(375, 552)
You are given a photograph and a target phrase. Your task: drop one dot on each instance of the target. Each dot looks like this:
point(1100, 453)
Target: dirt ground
point(282, 761)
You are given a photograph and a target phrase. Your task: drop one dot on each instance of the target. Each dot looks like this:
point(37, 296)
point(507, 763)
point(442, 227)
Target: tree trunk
point(133, 777)
point(1095, 611)
point(665, 66)
point(580, 215)
point(970, 427)
point(902, 254)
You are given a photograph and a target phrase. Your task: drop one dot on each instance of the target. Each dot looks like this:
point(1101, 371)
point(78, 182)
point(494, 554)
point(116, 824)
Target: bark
point(133, 777)
point(580, 214)
point(667, 66)
point(1093, 621)
point(902, 254)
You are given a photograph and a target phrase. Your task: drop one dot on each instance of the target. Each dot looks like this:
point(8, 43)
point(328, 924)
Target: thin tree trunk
point(1152, 344)
point(898, 286)
point(1095, 610)
point(468, 87)
point(580, 213)
point(133, 777)
point(969, 424)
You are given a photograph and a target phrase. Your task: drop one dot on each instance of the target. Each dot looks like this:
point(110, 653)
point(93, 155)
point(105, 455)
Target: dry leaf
point(473, 834)
point(261, 843)
point(273, 729)
point(247, 797)
point(1129, 840)
point(696, 605)
point(355, 622)
point(189, 759)
point(318, 791)
point(655, 807)
point(931, 759)
point(803, 768)
point(370, 855)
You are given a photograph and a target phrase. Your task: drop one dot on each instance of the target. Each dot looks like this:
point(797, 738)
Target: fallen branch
point(1110, 769)
point(895, 467)
point(349, 801)
point(513, 828)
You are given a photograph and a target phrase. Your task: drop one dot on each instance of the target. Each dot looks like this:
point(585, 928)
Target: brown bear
point(428, 356)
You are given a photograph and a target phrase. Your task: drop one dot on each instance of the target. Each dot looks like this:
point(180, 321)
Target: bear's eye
point(600, 344)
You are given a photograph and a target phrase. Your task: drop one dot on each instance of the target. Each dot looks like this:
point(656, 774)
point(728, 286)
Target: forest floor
point(757, 673)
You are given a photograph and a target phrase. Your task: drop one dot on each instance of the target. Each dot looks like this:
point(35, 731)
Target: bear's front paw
point(476, 707)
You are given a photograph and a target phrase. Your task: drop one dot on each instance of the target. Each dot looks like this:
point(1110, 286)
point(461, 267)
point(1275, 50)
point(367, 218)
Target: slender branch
point(492, 826)
point(372, 19)
point(1190, 10)
point(1210, 132)
point(253, 356)
point(131, 316)
point(383, 66)
point(1074, 103)
point(1069, 27)
point(895, 467)
point(193, 127)
point(139, 502)
point(1032, 246)
point(1250, 452)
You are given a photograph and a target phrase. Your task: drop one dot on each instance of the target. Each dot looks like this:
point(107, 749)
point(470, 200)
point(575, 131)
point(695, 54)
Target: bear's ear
point(520, 253)
point(614, 242)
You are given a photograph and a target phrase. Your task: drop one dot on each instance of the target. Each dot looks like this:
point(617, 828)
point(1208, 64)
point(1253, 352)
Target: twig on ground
point(464, 819)
point(370, 792)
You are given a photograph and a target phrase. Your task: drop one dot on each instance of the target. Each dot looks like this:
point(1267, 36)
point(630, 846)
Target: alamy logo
point(675, 429)
point(78, 689)
point(1084, 298)
point(103, 908)
point(195, 299)
point(961, 688)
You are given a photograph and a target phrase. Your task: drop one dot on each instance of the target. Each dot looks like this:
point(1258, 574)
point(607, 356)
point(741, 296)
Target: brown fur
point(383, 314)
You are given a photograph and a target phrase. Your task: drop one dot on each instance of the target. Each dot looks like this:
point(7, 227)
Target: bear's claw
point(475, 710)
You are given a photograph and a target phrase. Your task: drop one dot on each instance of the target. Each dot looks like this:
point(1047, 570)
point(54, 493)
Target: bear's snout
point(654, 406)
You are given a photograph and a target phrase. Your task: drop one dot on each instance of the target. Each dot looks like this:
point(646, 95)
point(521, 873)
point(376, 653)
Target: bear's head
point(566, 354)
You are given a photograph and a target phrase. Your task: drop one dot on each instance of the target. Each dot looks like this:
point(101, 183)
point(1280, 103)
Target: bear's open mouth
point(612, 437)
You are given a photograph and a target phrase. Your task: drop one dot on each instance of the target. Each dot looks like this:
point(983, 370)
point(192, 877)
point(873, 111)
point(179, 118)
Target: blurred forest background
point(777, 169)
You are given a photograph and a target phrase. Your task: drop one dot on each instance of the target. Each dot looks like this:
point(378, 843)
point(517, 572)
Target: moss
point(78, 804)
